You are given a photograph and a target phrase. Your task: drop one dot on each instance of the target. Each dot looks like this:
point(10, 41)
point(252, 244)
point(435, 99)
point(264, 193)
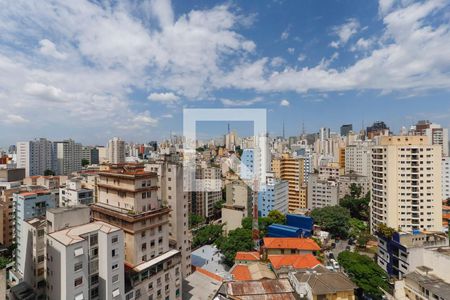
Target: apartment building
point(203, 201)
point(7, 229)
point(116, 151)
point(86, 262)
point(406, 184)
point(437, 135)
point(171, 192)
point(358, 159)
point(67, 157)
point(274, 195)
point(445, 178)
point(127, 198)
point(291, 169)
point(322, 192)
point(238, 205)
point(346, 181)
point(35, 156)
point(28, 206)
point(74, 194)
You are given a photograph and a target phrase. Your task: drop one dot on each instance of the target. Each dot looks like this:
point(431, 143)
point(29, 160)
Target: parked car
point(335, 265)
point(331, 255)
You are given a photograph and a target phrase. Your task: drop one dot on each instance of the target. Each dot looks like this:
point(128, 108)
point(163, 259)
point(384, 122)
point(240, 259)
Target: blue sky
point(91, 70)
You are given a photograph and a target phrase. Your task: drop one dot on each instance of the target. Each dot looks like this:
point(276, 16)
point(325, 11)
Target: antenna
point(228, 128)
point(283, 131)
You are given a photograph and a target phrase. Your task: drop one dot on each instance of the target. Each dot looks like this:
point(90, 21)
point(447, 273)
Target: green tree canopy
point(207, 235)
point(239, 239)
point(195, 220)
point(365, 273)
point(334, 219)
point(276, 217)
point(84, 162)
point(358, 207)
point(385, 230)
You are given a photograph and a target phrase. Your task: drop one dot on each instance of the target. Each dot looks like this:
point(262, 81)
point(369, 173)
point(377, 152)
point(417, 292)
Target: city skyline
point(305, 62)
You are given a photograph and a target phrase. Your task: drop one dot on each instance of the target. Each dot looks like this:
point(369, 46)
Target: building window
point(115, 266)
point(78, 266)
point(115, 239)
point(94, 292)
point(93, 239)
point(94, 279)
point(115, 278)
point(78, 281)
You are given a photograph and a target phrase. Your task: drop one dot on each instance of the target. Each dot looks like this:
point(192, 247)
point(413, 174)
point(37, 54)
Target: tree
point(49, 172)
point(363, 238)
point(355, 190)
point(334, 219)
point(365, 273)
point(207, 235)
point(247, 223)
point(356, 227)
point(84, 162)
point(4, 261)
point(358, 207)
point(195, 220)
point(276, 217)
point(239, 239)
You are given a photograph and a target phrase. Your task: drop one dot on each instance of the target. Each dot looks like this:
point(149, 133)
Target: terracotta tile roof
point(241, 272)
point(297, 261)
point(209, 274)
point(254, 256)
point(291, 243)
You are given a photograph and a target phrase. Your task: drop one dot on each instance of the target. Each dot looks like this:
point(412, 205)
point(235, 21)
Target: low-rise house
point(319, 283)
point(267, 289)
point(293, 261)
point(276, 246)
point(246, 257)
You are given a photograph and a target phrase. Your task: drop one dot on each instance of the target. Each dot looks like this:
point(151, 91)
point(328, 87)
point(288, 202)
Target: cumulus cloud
point(14, 119)
point(344, 32)
point(163, 97)
point(285, 102)
point(237, 103)
point(48, 48)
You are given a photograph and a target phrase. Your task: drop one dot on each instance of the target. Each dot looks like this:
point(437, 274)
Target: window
point(94, 292)
point(144, 246)
point(115, 239)
point(115, 266)
point(78, 281)
point(78, 266)
point(143, 233)
point(144, 195)
point(94, 279)
point(114, 253)
point(144, 258)
point(93, 239)
point(115, 278)
point(94, 252)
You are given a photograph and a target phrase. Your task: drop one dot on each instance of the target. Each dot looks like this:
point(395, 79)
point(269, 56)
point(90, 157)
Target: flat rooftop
point(63, 209)
point(73, 235)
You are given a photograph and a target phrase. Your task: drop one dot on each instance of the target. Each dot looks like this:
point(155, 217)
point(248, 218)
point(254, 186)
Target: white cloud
point(301, 57)
point(14, 119)
point(345, 32)
point(277, 61)
point(284, 102)
point(291, 50)
point(285, 34)
point(163, 97)
point(385, 6)
point(49, 48)
point(235, 102)
point(167, 116)
point(362, 44)
point(45, 92)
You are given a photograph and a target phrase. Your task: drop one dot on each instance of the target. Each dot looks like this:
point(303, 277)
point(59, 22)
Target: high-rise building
point(445, 178)
point(238, 205)
point(291, 169)
point(322, 192)
point(90, 154)
point(35, 156)
point(435, 133)
point(204, 200)
point(170, 179)
point(116, 151)
point(68, 157)
point(358, 159)
point(28, 206)
point(274, 195)
point(86, 262)
point(346, 129)
point(406, 184)
point(128, 199)
point(378, 128)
